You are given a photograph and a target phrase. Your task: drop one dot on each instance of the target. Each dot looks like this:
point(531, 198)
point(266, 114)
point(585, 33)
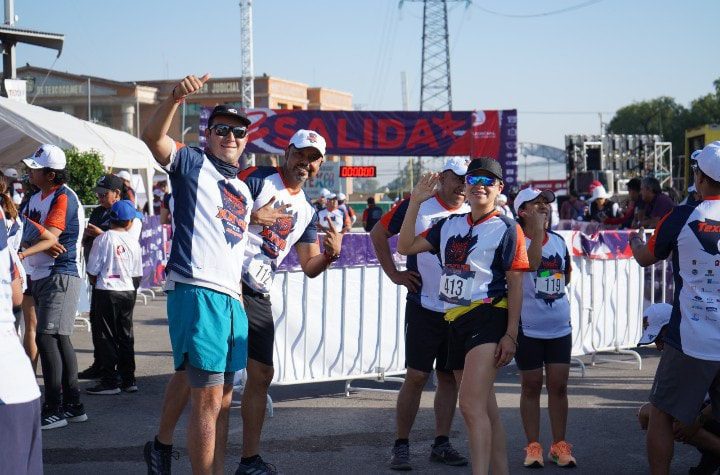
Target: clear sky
point(592, 59)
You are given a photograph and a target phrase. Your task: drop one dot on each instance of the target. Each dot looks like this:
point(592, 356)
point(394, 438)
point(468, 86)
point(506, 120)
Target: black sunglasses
point(222, 130)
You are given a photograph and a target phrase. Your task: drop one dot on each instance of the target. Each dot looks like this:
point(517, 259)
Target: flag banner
point(480, 133)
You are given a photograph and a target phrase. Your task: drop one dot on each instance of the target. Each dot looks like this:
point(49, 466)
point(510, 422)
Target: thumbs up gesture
point(189, 85)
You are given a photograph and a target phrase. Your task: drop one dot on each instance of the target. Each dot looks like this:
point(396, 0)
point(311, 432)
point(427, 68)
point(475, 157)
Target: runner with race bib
point(545, 336)
point(483, 258)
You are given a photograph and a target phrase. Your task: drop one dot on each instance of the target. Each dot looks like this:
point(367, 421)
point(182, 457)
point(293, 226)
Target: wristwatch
point(331, 257)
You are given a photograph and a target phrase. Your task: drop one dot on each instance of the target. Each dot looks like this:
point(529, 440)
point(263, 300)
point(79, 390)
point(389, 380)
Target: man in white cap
point(14, 185)
point(346, 208)
point(333, 217)
point(128, 191)
point(690, 365)
point(56, 284)
point(426, 334)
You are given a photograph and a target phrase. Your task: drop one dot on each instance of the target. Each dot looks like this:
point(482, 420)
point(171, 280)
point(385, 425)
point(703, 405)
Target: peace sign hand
point(333, 240)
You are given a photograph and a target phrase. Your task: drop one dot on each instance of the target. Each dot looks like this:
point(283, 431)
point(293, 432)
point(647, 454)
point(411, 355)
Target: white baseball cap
point(308, 138)
point(658, 315)
point(708, 161)
point(11, 173)
point(325, 193)
point(47, 156)
point(599, 192)
point(331, 196)
point(530, 194)
point(125, 175)
point(341, 196)
point(458, 165)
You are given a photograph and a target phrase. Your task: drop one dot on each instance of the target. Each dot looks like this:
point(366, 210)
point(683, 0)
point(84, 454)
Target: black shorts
point(483, 324)
point(261, 327)
point(534, 353)
point(426, 338)
point(28, 290)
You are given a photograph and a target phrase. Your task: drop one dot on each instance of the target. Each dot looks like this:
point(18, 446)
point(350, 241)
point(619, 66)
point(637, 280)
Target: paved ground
point(316, 429)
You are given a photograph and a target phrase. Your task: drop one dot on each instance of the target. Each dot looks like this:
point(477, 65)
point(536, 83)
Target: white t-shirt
point(336, 216)
point(115, 259)
point(546, 308)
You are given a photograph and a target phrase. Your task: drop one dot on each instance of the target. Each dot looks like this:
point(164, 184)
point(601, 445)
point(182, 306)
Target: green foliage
point(365, 185)
point(84, 169)
point(664, 116)
point(402, 182)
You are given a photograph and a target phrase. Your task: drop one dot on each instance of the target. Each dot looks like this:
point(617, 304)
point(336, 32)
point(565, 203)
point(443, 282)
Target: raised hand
point(267, 215)
point(189, 85)
point(333, 240)
point(425, 188)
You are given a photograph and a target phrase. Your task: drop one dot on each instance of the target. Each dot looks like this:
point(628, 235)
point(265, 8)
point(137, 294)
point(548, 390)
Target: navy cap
point(226, 111)
point(123, 210)
point(108, 182)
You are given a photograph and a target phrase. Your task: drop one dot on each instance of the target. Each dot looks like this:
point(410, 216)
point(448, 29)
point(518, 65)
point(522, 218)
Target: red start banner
point(480, 133)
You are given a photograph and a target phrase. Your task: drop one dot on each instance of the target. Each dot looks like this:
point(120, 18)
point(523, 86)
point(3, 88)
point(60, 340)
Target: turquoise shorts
point(209, 327)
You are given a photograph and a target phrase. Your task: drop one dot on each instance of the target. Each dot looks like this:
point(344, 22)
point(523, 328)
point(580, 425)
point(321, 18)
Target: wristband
point(330, 258)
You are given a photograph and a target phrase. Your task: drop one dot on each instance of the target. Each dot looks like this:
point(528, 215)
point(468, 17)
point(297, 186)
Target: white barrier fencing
point(349, 323)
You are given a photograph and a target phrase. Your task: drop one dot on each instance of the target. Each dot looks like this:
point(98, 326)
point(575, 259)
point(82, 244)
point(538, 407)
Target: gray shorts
point(200, 378)
point(681, 383)
point(56, 301)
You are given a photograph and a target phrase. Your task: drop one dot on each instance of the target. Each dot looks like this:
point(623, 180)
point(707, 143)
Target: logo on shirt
point(275, 236)
point(35, 215)
point(707, 233)
point(458, 249)
point(232, 213)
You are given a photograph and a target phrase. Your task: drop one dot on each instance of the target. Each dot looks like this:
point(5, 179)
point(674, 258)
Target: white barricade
point(348, 323)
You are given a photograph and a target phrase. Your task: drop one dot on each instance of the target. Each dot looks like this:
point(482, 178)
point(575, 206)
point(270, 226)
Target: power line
point(535, 15)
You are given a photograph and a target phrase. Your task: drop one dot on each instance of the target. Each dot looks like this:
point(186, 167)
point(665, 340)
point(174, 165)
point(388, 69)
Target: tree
point(84, 169)
point(661, 116)
point(365, 185)
point(402, 182)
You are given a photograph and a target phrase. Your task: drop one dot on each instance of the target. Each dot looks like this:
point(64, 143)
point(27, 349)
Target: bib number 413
point(456, 286)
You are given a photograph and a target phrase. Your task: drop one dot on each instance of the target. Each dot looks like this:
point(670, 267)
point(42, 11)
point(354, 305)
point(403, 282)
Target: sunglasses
point(483, 180)
point(221, 130)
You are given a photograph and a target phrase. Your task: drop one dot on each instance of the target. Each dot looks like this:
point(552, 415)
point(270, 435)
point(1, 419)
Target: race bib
point(549, 285)
point(456, 286)
point(260, 274)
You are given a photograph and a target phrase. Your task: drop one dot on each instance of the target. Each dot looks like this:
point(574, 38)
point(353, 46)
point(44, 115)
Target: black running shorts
point(483, 324)
point(261, 327)
point(426, 338)
point(534, 353)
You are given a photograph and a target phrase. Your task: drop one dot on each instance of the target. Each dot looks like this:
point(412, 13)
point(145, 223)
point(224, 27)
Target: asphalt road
point(316, 429)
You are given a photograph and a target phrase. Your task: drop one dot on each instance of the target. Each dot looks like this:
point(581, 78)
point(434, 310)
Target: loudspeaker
point(593, 159)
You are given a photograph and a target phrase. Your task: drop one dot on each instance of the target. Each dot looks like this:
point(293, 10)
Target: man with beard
point(425, 328)
point(281, 218)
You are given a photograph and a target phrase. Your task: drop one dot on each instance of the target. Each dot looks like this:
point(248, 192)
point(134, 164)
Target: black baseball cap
point(226, 111)
point(485, 164)
point(109, 182)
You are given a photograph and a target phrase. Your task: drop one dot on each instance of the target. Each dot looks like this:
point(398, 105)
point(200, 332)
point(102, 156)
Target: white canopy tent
point(24, 127)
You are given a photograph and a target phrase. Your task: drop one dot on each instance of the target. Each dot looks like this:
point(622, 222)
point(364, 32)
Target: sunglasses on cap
point(483, 180)
point(221, 130)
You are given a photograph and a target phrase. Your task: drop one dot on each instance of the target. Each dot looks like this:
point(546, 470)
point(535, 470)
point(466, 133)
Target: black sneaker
point(400, 459)
point(52, 418)
point(258, 467)
point(708, 465)
point(158, 461)
point(103, 389)
point(74, 412)
point(446, 453)
point(93, 372)
point(129, 386)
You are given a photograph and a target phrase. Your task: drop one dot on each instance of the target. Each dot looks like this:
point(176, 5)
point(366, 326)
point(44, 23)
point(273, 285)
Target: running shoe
point(93, 372)
point(129, 386)
point(561, 454)
point(74, 412)
point(158, 462)
point(103, 389)
point(446, 453)
point(258, 467)
point(533, 456)
point(709, 464)
point(52, 418)
point(400, 459)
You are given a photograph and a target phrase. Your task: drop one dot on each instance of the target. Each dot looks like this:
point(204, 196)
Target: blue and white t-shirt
point(268, 245)
point(426, 264)
point(211, 214)
point(692, 235)
point(61, 209)
point(546, 308)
